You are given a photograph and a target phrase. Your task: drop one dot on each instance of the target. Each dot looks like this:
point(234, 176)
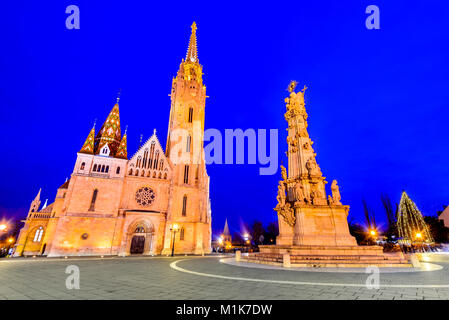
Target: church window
point(139, 229)
point(83, 165)
point(189, 141)
point(145, 196)
point(184, 206)
point(186, 174)
point(95, 168)
point(102, 168)
point(107, 169)
point(38, 234)
point(150, 162)
point(130, 172)
point(145, 158)
point(181, 234)
point(94, 199)
point(139, 161)
point(190, 115)
point(156, 159)
point(137, 172)
point(118, 170)
point(161, 166)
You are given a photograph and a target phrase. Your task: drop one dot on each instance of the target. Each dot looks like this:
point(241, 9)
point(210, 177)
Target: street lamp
point(174, 228)
point(3, 227)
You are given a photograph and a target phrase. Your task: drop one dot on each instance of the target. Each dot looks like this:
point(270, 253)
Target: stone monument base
point(327, 256)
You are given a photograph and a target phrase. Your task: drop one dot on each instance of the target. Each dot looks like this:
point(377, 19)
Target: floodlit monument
point(313, 227)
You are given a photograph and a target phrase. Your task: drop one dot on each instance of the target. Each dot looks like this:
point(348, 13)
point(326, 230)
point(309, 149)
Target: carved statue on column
point(299, 192)
point(283, 173)
point(336, 197)
point(281, 194)
point(310, 166)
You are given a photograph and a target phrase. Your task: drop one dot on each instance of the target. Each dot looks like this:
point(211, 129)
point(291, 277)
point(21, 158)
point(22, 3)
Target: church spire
point(88, 146)
point(110, 132)
point(226, 229)
point(192, 50)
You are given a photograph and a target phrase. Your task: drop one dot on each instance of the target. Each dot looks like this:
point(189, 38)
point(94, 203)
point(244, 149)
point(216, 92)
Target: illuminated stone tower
point(190, 201)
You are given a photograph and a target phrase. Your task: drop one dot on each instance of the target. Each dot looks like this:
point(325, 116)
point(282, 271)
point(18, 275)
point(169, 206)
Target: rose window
point(145, 196)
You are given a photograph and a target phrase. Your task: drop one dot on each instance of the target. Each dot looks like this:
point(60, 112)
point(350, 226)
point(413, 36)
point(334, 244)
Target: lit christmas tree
point(411, 224)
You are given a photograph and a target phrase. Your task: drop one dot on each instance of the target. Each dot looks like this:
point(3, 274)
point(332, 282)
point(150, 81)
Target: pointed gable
point(122, 151)
point(88, 146)
point(150, 161)
point(445, 216)
point(110, 132)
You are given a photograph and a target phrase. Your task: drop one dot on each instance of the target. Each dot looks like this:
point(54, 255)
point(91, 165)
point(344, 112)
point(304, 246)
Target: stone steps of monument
point(328, 257)
point(317, 259)
point(331, 263)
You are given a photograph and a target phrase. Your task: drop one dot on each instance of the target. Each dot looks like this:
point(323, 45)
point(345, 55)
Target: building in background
point(112, 205)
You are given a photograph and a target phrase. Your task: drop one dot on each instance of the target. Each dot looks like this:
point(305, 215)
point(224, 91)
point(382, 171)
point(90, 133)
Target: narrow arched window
point(161, 166)
point(94, 199)
point(186, 174)
point(107, 169)
point(102, 168)
point(181, 234)
point(190, 115)
point(38, 234)
point(118, 170)
point(156, 160)
point(145, 158)
point(82, 165)
point(150, 162)
point(184, 206)
point(95, 168)
point(189, 142)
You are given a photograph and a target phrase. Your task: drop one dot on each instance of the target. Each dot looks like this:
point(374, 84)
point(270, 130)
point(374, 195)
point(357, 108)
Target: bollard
point(415, 261)
point(286, 260)
point(238, 255)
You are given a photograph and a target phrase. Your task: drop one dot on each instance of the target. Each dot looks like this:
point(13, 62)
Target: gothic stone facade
point(115, 206)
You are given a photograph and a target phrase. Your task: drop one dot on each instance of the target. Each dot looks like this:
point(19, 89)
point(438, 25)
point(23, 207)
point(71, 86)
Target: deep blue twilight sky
point(377, 99)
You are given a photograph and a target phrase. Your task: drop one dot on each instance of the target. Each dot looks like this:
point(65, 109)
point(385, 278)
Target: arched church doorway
point(137, 245)
point(141, 237)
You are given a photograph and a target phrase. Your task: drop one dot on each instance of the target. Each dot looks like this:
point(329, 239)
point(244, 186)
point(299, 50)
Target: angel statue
point(335, 192)
point(281, 194)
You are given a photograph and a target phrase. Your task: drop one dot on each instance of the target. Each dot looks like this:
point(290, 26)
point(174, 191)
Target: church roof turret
point(122, 151)
point(110, 132)
point(88, 146)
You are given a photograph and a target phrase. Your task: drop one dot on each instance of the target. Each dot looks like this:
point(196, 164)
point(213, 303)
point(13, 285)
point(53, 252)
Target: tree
point(257, 231)
point(357, 231)
point(392, 231)
point(439, 232)
point(369, 216)
point(411, 224)
point(271, 233)
point(237, 239)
